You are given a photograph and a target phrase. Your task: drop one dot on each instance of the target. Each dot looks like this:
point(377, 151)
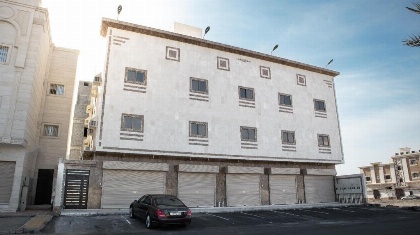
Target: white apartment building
point(214, 124)
point(36, 91)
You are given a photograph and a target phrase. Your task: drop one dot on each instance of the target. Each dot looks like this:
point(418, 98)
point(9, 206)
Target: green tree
point(413, 41)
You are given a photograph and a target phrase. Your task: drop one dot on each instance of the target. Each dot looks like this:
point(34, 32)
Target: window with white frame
point(323, 140)
point(288, 137)
point(198, 129)
point(50, 130)
point(137, 76)
point(172, 53)
point(265, 72)
point(248, 133)
point(56, 89)
point(131, 122)
point(4, 53)
point(198, 85)
point(285, 100)
point(301, 79)
point(415, 175)
point(246, 93)
point(413, 162)
point(319, 105)
point(223, 63)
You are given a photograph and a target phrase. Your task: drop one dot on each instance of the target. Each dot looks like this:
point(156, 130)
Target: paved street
point(341, 220)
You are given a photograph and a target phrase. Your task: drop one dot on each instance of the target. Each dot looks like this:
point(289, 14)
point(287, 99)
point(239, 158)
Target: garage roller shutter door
point(121, 187)
point(283, 189)
point(319, 189)
point(7, 173)
point(243, 189)
point(197, 189)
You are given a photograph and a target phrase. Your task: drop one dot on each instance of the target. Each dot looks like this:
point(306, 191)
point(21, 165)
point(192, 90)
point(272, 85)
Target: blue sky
point(378, 91)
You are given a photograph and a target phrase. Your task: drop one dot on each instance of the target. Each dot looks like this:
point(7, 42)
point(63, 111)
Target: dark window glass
point(323, 140)
point(286, 100)
point(135, 76)
point(368, 178)
point(85, 130)
point(198, 129)
point(147, 201)
point(132, 123)
point(288, 137)
point(168, 201)
point(199, 85)
point(319, 105)
point(248, 133)
point(246, 93)
point(387, 177)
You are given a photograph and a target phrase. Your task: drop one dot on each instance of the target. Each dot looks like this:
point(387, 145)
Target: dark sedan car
point(161, 209)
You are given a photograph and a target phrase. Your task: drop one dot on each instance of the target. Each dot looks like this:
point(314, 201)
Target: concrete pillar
point(381, 175)
point(172, 180)
point(393, 177)
point(372, 175)
point(300, 189)
point(405, 169)
point(221, 188)
point(265, 190)
point(59, 189)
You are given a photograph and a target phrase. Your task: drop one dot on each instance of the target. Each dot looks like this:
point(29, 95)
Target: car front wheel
point(149, 224)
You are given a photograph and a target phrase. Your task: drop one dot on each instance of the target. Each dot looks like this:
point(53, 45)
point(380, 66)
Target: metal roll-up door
point(243, 189)
point(197, 189)
point(121, 187)
point(283, 189)
point(7, 173)
point(319, 189)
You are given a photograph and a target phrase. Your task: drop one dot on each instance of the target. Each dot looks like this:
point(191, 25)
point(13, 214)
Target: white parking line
point(218, 216)
point(253, 215)
point(128, 222)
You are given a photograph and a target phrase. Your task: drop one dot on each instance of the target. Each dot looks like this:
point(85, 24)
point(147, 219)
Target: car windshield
point(168, 201)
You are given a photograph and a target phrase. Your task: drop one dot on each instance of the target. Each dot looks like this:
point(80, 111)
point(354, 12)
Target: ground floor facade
point(115, 180)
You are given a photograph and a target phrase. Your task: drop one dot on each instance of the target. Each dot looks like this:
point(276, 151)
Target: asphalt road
point(341, 220)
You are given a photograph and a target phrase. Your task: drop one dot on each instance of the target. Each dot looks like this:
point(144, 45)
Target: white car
point(410, 197)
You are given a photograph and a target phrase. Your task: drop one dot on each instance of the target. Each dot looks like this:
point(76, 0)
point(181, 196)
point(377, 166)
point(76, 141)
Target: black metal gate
point(76, 190)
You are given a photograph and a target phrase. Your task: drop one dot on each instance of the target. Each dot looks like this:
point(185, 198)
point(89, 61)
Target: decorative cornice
point(106, 23)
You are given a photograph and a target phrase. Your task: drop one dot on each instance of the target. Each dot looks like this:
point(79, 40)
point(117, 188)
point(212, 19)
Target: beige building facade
point(398, 178)
point(36, 91)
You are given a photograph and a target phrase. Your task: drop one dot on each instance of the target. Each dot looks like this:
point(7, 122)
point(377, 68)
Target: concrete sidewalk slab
point(24, 221)
point(36, 224)
point(124, 211)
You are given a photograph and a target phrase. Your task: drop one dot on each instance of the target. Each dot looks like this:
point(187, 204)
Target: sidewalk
point(31, 221)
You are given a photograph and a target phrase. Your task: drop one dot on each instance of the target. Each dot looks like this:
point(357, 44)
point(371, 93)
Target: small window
point(368, 178)
point(320, 105)
point(85, 132)
point(198, 85)
point(413, 162)
point(288, 137)
point(248, 133)
point(172, 53)
point(223, 63)
point(387, 177)
point(301, 79)
point(50, 130)
point(132, 122)
point(246, 93)
point(285, 100)
point(399, 168)
point(56, 89)
point(323, 141)
point(4, 53)
point(198, 129)
point(137, 76)
point(415, 175)
point(265, 72)
point(85, 84)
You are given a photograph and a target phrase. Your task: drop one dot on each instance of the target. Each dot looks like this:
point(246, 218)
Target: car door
point(144, 207)
point(136, 206)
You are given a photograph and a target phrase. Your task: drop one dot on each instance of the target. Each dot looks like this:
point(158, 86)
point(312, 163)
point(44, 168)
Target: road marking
point(253, 215)
point(218, 216)
point(128, 221)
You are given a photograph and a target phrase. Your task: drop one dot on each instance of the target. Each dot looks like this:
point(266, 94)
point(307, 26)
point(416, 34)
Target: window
point(56, 89)
point(323, 141)
point(413, 162)
point(137, 76)
point(265, 72)
point(198, 129)
point(223, 63)
point(246, 93)
point(132, 122)
point(288, 137)
point(50, 130)
point(285, 100)
point(368, 178)
point(198, 85)
point(415, 175)
point(387, 177)
point(320, 105)
point(4, 53)
point(248, 133)
point(172, 53)
point(301, 79)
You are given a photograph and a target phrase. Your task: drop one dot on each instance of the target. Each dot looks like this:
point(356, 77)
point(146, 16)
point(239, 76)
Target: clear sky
point(378, 91)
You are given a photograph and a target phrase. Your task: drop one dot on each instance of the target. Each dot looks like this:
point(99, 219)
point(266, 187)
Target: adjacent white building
point(36, 91)
point(214, 124)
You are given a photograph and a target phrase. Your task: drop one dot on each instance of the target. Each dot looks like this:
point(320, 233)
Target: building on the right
point(398, 178)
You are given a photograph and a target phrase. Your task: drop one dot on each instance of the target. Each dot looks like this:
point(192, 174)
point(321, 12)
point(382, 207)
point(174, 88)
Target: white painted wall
point(167, 108)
